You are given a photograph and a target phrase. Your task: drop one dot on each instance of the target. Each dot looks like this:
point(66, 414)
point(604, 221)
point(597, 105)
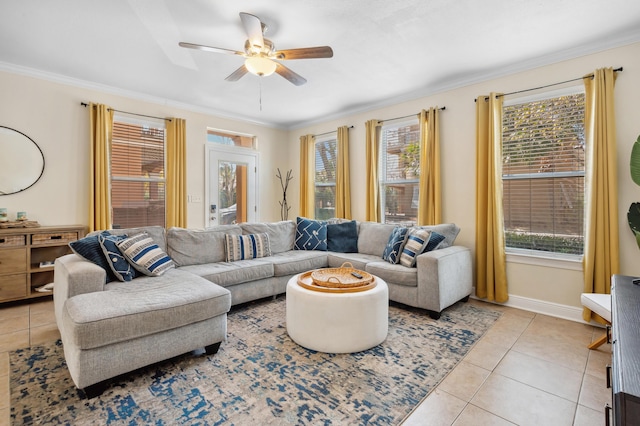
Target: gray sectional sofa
point(108, 329)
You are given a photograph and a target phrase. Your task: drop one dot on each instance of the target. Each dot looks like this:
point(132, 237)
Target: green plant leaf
point(634, 165)
point(633, 217)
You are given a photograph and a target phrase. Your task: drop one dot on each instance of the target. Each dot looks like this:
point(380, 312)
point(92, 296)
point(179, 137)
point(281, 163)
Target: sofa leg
point(465, 299)
point(95, 390)
point(212, 349)
point(434, 315)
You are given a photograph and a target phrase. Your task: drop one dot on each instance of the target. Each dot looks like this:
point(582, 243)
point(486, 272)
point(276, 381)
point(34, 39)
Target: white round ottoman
point(337, 323)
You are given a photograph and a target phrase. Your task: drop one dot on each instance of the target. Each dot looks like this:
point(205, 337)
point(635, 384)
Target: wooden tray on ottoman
point(337, 280)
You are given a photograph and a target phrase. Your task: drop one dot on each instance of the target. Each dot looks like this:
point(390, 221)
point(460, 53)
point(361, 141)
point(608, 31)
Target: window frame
point(142, 122)
point(382, 168)
point(333, 136)
point(540, 257)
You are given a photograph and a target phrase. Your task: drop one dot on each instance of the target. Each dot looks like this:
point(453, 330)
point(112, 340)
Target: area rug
point(260, 376)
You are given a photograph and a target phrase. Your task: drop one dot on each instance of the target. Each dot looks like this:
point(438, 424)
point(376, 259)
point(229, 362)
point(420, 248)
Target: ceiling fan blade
point(305, 53)
point(210, 49)
point(290, 75)
point(237, 74)
point(253, 28)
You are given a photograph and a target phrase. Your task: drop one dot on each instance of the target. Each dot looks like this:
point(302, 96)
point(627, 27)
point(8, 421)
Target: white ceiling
point(385, 51)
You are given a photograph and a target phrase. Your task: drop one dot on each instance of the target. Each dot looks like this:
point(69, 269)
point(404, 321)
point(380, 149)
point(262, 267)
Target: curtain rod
point(544, 87)
point(333, 131)
point(407, 116)
point(84, 104)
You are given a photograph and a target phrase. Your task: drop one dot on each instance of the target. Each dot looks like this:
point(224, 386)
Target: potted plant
point(633, 216)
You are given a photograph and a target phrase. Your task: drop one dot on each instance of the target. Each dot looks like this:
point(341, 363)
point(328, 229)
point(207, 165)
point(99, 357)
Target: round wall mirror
point(21, 161)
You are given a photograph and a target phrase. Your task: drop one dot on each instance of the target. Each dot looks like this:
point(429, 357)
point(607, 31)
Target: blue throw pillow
point(251, 246)
point(145, 255)
point(311, 234)
point(417, 240)
point(119, 265)
point(89, 249)
point(342, 237)
point(434, 241)
point(395, 244)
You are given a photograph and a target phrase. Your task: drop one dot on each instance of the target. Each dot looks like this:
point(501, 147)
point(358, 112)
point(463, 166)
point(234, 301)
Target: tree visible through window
point(137, 174)
point(326, 156)
point(399, 172)
point(543, 158)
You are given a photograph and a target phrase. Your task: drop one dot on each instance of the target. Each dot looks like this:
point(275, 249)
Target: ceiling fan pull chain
point(260, 80)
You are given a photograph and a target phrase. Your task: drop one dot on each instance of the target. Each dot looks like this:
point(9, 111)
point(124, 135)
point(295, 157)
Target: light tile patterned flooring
point(528, 369)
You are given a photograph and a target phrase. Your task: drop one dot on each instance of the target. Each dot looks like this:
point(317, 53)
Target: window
point(326, 154)
point(543, 159)
point(137, 173)
point(399, 172)
point(231, 139)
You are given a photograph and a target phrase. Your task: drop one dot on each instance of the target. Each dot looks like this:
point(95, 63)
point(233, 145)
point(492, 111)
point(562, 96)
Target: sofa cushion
point(119, 265)
point(395, 274)
point(297, 261)
point(157, 234)
point(311, 234)
point(154, 304)
point(449, 230)
point(89, 249)
point(145, 255)
point(373, 237)
point(241, 247)
point(198, 246)
point(358, 260)
point(232, 273)
point(342, 237)
point(282, 234)
point(417, 240)
point(395, 244)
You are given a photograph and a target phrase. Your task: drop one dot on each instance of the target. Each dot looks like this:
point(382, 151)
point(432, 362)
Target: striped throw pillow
point(252, 246)
point(145, 255)
point(417, 240)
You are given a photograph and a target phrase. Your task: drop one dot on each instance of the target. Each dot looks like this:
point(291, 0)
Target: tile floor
point(528, 369)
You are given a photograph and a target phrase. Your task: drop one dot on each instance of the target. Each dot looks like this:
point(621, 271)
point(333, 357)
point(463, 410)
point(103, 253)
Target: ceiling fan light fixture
point(259, 65)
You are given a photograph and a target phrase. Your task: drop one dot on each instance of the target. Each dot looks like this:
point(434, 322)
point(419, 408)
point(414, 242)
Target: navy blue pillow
point(89, 248)
point(393, 249)
point(343, 237)
point(311, 234)
point(434, 241)
point(119, 265)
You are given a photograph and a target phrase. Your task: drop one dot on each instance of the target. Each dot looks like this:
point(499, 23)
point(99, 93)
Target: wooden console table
point(624, 376)
point(27, 256)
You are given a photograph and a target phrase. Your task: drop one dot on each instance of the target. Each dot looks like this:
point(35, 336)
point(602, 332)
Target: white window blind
point(543, 159)
point(137, 174)
point(400, 172)
point(326, 155)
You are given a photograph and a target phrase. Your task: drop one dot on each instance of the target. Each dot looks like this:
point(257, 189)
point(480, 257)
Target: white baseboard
point(571, 313)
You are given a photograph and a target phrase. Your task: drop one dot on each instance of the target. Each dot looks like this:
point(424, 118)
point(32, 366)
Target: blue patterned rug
point(260, 376)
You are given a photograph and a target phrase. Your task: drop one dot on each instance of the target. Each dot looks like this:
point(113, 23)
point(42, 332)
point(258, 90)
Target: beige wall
point(550, 284)
point(50, 113)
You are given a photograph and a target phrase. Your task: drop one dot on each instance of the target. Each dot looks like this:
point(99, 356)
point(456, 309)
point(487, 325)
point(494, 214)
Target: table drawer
point(54, 238)
point(12, 240)
point(13, 286)
point(13, 260)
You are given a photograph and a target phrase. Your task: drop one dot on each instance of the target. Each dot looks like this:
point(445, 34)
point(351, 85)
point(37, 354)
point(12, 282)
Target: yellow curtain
point(343, 180)
point(307, 175)
point(601, 244)
point(176, 177)
point(430, 198)
point(101, 129)
point(372, 133)
point(491, 271)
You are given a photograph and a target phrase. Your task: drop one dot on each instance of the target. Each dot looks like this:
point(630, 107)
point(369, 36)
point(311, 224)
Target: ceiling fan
point(260, 53)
